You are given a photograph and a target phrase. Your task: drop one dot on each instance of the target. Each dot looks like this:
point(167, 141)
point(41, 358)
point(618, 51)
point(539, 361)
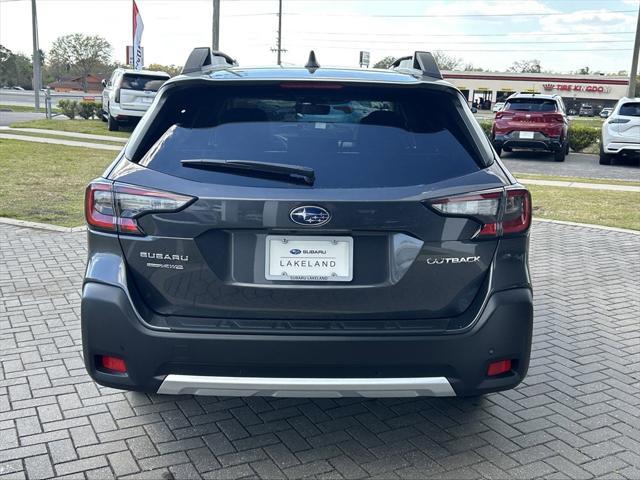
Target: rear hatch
point(627, 122)
point(358, 241)
point(529, 114)
point(137, 90)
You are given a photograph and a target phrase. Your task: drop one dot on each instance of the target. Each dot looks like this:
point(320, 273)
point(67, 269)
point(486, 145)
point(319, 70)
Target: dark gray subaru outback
point(309, 232)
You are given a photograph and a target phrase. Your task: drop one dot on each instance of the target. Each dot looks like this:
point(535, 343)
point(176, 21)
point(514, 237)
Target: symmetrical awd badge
point(310, 215)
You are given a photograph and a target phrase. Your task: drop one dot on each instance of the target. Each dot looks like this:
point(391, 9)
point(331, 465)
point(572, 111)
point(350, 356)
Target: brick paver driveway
point(576, 415)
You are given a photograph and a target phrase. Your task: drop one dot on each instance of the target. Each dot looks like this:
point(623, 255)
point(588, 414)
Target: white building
point(597, 90)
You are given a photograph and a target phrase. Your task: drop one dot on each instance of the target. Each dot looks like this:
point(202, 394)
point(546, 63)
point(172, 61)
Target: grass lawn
point(604, 181)
point(24, 108)
point(586, 121)
point(45, 183)
point(96, 127)
point(59, 137)
point(600, 207)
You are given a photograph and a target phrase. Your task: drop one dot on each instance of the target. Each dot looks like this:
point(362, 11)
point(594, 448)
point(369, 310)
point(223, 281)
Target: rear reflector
point(111, 207)
point(113, 363)
point(498, 368)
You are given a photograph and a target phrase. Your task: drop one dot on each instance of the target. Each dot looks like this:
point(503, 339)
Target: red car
point(532, 122)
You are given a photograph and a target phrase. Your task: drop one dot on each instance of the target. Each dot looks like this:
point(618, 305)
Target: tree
point(79, 54)
point(384, 63)
point(447, 62)
point(584, 71)
point(470, 67)
point(525, 66)
point(15, 69)
point(172, 70)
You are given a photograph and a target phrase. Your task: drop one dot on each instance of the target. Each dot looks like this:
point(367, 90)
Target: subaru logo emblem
point(295, 251)
point(309, 215)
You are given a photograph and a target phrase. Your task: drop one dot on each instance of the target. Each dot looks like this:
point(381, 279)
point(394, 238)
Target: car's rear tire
point(103, 115)
point(112, 124)
point(605, 158)
point(560, 155)
point(498, 150)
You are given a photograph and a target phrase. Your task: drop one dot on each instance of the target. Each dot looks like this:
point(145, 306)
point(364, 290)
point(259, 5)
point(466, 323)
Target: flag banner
point(138, 28)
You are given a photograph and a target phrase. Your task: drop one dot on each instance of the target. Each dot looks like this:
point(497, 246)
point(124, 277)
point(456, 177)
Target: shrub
point(68, 108)
point(97, 111)
point(581, 137)
point(86, 109)
point(486, 126)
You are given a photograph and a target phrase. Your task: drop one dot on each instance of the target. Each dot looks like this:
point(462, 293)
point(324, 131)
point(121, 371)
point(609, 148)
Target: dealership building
point(598, 91)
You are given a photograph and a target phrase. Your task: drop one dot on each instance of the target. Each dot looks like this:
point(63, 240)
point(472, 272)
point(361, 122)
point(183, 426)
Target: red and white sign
point(138, 28)
point(569, 87)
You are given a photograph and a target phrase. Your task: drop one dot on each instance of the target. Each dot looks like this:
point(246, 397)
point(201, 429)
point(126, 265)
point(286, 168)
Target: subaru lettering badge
point(310, 215)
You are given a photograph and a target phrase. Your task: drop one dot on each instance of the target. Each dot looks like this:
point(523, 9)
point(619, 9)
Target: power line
point(455, 15)
point(405, 42)
point(533, 34)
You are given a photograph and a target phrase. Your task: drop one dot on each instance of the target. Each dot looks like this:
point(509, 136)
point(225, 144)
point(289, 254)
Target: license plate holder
point(526, 135)
point(295, 258)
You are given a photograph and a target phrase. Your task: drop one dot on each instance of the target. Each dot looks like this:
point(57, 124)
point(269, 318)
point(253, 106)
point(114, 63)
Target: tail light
point(114, 207)
point(501, 212)
point(553, 118)
point(619, 120)
point(500, 115)
point(117, 95)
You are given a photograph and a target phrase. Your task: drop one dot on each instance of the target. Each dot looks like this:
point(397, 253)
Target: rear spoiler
point(203, 58)
point(422, 61)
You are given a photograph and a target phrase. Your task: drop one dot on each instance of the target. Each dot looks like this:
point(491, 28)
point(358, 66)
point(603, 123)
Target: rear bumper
point(539, 142)
point(620, 147)
point(305, 365)
point(124, 114)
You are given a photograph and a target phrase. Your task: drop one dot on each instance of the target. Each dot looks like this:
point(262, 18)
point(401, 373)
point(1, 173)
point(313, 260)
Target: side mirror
point(104, 82)
point(474, 110)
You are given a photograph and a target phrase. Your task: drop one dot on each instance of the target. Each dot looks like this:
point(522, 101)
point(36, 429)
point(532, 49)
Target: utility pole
point(37, 78)
point(215, 33)
point(633, 75)
point(279, 48)
point(279, 32)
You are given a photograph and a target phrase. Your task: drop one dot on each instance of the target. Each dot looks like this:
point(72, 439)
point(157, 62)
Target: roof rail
point(202, 57)
point(423, 61)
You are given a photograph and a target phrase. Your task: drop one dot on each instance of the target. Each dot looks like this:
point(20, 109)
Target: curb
point(41, 226)
point(588, 225)
point(81, 228)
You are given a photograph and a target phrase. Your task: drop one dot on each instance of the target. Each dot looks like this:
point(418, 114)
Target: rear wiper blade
point(295, 172)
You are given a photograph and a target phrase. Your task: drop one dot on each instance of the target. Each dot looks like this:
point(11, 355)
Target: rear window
point(351, 136)
point(147, 83)
point(531, 105)
point(631, 109)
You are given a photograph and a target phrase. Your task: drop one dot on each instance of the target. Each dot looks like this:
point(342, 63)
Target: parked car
point(383, 256)
point(621, 131)
point(586, 111)
point(128, 94)
point(605, 112)
point(532, 122)
point(497, 106)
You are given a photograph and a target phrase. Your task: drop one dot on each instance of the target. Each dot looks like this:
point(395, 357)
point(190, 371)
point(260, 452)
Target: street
point(575, 165)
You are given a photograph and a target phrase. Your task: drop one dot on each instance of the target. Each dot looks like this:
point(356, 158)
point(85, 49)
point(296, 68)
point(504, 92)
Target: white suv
point(128, 94)
point(621, 131)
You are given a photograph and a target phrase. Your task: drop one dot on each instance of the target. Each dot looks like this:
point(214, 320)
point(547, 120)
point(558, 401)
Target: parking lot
point(577, 415)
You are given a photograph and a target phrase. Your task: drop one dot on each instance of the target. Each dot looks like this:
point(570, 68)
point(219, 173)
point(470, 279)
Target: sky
point(564, 35)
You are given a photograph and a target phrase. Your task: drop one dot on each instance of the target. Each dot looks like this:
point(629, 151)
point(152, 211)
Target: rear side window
point(147, 83)
point(631, 109)
point(358, 137)
point(531, 105)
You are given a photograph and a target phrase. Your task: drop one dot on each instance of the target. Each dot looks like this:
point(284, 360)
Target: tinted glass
point(531, 105)
point(131, 81)
point(630, 109)
point(352, 137)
